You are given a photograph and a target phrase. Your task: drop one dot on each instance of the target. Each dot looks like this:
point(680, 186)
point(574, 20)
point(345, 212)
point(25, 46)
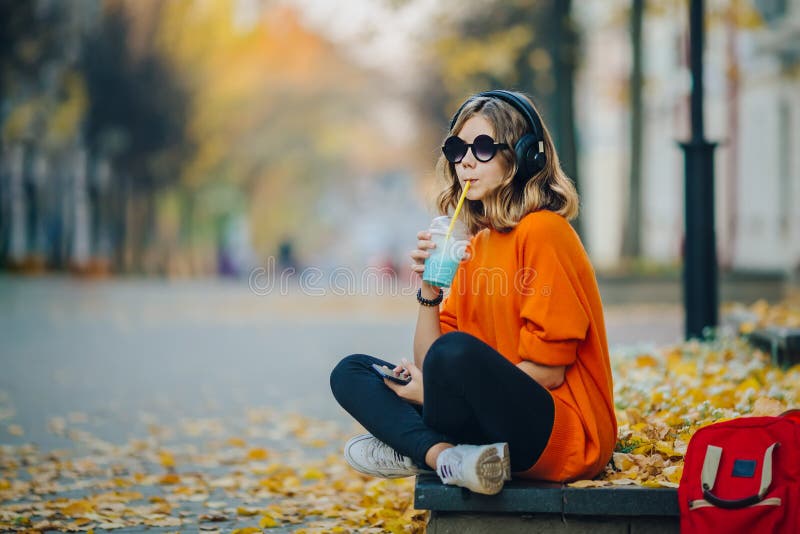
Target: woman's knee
point(450, 351)
point(343, 372)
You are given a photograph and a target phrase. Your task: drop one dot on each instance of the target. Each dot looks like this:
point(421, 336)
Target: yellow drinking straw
point(458, 208)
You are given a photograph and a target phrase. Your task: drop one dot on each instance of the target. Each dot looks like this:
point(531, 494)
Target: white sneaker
point(369, 455)
point(502, 452)
point(479, 468)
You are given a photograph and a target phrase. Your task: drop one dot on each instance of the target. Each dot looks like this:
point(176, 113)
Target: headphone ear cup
point(526, 152)
point(538, 163)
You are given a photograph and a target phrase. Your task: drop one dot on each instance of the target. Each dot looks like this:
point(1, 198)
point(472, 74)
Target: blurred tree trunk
point(4, 211)
point(632, 224)
point(155, 259)
point(17, 230)
point(117, 219)
point(36, 186)
point(142, 255)
point(564, 42)
point(81, 216)
point(732, 154)
point(552, 82)
point(186, 232)
point(541, 43)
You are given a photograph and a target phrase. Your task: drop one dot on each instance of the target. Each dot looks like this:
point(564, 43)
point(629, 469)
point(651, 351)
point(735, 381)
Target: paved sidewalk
point(117, 349)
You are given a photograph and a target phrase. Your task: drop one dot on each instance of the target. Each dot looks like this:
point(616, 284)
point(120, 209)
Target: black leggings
point(472, 395)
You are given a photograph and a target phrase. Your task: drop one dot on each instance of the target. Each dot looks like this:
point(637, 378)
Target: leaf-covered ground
point(664, 396)
point(284, 472)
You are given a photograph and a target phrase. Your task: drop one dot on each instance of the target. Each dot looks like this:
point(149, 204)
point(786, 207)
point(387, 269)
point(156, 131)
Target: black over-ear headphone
point(529, 150)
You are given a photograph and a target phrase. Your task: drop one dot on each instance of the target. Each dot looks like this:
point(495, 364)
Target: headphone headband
point(517, 102)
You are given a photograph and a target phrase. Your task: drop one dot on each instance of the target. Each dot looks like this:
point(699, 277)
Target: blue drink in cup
point(441, 265)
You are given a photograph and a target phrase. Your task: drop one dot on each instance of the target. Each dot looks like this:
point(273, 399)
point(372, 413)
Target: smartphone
point(385, 372)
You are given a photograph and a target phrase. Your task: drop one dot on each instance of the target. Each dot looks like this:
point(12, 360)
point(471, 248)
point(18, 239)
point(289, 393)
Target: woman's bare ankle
point(433, 454)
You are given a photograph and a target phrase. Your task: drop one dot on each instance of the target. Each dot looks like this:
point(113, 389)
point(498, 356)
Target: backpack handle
point(709, 475)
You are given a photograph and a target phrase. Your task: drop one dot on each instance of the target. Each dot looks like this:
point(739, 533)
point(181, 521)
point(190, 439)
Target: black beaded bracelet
point(430, 302)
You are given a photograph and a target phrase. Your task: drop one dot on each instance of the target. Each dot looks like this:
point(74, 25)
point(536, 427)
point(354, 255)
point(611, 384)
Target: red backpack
point(743, 475)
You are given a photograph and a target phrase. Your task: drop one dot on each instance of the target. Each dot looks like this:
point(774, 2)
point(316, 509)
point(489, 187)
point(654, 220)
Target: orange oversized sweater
point(531, 294)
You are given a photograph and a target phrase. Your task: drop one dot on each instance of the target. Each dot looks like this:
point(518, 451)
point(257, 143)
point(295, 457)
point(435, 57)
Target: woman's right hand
point(413, 391)
point(418, 256)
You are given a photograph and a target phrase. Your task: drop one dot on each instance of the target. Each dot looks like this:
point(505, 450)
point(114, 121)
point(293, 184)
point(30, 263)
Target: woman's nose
point(469, 159)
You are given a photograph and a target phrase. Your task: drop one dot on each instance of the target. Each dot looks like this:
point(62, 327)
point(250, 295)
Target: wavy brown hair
point(503, 208)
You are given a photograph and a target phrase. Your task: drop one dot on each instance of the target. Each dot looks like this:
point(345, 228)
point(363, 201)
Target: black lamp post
point(700, 291)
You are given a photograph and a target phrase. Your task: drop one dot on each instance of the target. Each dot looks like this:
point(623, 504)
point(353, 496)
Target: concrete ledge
point(621, 501)
point(783, 344)
point(524, 496)
point(517, 496)
point(543, 507)
point(454, 523)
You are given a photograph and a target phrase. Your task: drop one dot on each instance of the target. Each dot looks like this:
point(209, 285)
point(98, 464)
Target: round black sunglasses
point(483, 148)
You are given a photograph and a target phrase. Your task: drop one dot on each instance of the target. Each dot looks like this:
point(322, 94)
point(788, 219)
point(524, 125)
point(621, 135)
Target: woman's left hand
point(547, 376)
point(412, 392)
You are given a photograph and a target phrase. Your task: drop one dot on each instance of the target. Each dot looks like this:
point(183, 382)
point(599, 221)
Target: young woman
point(512, 374)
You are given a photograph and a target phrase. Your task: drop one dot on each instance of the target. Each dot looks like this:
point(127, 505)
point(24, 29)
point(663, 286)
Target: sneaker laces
point(384, 456)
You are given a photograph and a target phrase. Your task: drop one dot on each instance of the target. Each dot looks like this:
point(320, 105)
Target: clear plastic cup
point(441, 265)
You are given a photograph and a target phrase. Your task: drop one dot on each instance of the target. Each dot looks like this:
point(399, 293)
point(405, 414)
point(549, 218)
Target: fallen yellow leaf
point(257, 454)
point(586, 484)
point(166, 459)
point(169, 478)
point(747, 328)
point(77, 509)
point(313, 474)
point(622, 461)
point(646, 360)
point(748, 383)
point(666, 449)
point(673, 473)
point(267, 522)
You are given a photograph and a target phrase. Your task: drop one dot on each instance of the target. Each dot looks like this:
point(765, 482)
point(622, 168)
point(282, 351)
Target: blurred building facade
point(752, 101)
